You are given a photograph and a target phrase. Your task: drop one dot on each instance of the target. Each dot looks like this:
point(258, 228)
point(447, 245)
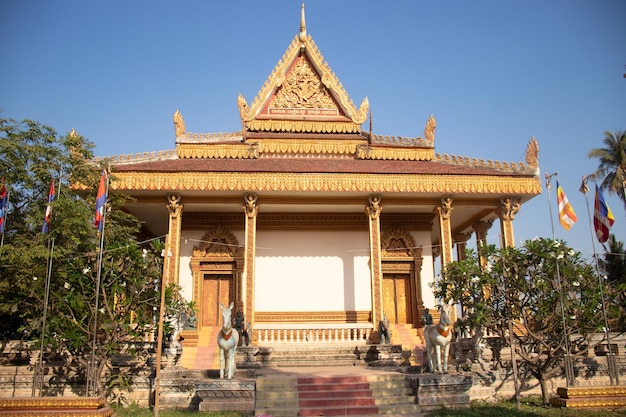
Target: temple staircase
point(354, 395)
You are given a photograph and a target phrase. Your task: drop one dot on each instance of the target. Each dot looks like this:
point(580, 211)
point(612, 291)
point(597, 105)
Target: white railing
point(358, 333)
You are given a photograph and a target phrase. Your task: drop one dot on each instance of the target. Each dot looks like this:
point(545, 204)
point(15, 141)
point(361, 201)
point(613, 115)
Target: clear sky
point(493, 73)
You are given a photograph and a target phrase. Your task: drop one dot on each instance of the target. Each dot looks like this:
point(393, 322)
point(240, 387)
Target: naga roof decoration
point(302, 87)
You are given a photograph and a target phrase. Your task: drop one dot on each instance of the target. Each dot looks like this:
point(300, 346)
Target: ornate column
point(460, 239)
point(509, 206)
point(444, 213)
point(481, 228)
point(175, 210)
point(373, 212)
point(245, 286)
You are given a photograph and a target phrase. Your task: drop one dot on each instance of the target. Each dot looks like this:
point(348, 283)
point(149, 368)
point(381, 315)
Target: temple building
point(311, 223)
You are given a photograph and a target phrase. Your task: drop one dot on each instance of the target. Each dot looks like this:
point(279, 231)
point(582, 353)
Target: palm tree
point(612, 164)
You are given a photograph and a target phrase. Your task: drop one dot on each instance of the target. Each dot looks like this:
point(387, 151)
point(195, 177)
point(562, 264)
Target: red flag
point(602, 217)
point(46, 222)
point(101, 200)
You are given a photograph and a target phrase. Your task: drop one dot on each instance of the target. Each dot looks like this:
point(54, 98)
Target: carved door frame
point(400, 255)
point(218, 253)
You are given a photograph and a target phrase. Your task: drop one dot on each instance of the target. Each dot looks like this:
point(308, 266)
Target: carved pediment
point(398, 243)
point(218, 242)
point(302, 95)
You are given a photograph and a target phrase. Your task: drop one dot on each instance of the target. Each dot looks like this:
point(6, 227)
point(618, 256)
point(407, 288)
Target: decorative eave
point(296, 114)
point(326, 182)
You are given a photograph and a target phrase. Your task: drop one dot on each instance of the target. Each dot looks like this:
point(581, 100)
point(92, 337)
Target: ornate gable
point(302, 95)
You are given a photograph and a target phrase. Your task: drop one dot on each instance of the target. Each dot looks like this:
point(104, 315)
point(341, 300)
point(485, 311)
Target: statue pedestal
point(226, 395)
point(436, 390)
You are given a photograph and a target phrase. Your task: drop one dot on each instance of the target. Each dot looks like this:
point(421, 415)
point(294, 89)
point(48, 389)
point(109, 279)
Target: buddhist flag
point(101, 200)
point(567, 216)
point(46, 221)
point(602, 217)
point(4, 202)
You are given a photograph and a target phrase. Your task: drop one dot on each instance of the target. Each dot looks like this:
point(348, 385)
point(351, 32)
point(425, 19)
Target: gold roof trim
point(138, 157)
point(308, 146)
point(369, 183)
point(394, 153)
point(298, 126)
point(215, 151)
point(303, 44)
point(481, 163)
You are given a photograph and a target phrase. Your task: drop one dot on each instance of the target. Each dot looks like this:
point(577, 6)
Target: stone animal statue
point(438, 337)
point(227, 341)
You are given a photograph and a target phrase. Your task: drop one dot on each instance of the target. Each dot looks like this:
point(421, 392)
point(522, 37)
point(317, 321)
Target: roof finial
point(302, 35)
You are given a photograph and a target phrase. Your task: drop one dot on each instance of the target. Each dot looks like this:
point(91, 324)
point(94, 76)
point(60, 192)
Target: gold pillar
point(460, 239)
point(481, 228)
point(175, 210)
point(509, 206)
point(246, 283)
point(444, 213)
point(376, 276)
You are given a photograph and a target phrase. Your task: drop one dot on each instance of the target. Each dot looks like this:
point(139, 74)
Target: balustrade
point(312, 333)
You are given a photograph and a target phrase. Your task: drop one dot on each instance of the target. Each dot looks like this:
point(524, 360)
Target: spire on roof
point(302, 35)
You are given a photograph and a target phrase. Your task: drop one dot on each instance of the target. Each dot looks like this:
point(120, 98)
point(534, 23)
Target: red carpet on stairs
point(335, 396)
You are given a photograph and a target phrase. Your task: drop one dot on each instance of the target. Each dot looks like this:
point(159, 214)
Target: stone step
point(355, 395)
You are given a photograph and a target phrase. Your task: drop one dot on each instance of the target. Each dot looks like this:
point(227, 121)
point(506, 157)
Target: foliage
point(31, 155)
point(135, 411)
point(612, 162)
point(530, 407)
point(613, 265)
point(541, 287)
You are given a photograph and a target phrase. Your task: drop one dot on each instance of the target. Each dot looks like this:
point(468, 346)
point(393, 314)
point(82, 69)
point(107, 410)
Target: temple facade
point(308, 220)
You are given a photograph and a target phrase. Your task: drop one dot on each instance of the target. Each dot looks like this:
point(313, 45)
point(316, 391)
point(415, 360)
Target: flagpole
point(91, 369)
point(613, 374)
point(159, 347)
point(569, 368)
point(39, 368)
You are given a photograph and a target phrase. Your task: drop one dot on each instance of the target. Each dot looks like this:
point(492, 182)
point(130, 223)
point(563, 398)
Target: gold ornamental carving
point(218, 242)
point(394, 154)
point(532, 153)
point(446, 207)
point(179, 124)
point(250, 206)
point(509, 207)
point(218, 151)
point(281, 181)
point(429, 129)
point(302, 88)
point(173, 205)
point(374, 208)
point(302, 44)
point(397, 242)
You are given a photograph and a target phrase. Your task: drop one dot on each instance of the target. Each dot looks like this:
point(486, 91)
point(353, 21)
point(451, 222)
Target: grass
point(530, 407)
point(135, 411)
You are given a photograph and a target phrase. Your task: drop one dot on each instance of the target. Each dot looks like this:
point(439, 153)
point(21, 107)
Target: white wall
point(427, 273)
point(312, 271)
point(189, 239)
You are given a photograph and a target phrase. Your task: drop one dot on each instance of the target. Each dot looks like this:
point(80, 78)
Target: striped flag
point(602, 217)
point(101, 200)
point(46, 221)
point(567, 216)
point(4, 202)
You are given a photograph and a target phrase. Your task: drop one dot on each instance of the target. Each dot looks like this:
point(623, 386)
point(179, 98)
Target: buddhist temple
point(313, 225)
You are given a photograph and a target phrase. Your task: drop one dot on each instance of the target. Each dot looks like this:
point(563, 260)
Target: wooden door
point(216, 289)
point(396, 298)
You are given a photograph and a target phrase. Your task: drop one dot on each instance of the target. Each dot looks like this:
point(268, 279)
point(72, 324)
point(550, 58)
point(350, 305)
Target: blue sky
point(493, 73)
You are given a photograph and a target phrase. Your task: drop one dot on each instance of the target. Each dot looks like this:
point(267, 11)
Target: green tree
point(521, 284)
point(31, 155)
point(612, 162)
point(613, 264)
